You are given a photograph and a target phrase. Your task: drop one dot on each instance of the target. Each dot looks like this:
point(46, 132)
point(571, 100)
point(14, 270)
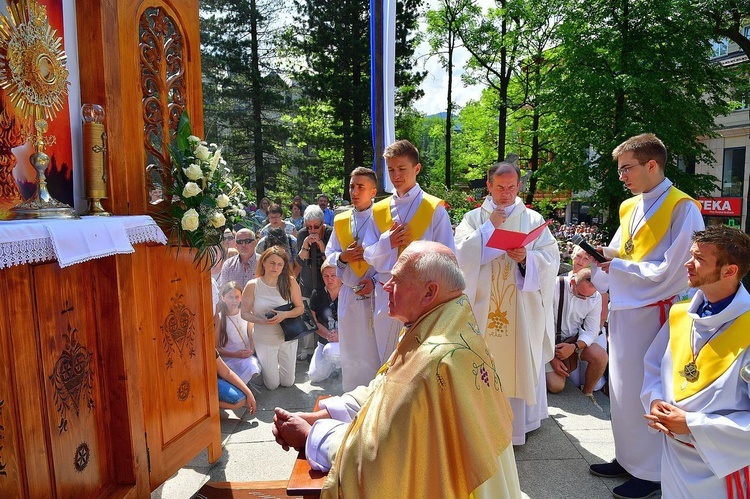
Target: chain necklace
point(408, 212)
point(629, 247)
point(239, 332)
point(358, 228)
point(690, 372)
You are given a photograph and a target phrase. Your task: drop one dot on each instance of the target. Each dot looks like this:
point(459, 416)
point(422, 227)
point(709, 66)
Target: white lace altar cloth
point(74, 241)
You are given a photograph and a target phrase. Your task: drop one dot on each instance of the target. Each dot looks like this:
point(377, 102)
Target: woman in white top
point(234, 335)
point(274, 286)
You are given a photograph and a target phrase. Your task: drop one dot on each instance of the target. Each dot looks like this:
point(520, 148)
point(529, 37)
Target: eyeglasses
point(626, 169)
point(245, 241)
point(313, 227)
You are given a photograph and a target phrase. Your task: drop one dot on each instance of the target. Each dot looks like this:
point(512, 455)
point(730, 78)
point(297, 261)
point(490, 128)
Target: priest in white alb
point(511, 293)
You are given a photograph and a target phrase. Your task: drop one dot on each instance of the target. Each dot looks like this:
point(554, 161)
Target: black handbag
point(297, 327)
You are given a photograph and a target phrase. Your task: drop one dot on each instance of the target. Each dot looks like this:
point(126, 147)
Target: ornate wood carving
point(179, 330)
point(164, 89)
point(2, 436)
point(82, 457)
point(183, 391)
point(72, 376)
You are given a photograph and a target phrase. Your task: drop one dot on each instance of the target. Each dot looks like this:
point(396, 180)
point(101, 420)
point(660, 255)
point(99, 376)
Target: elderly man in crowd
point(328, 213)
point(435, 421)
point(241, 267)
point(511, 292)
point(697, 375)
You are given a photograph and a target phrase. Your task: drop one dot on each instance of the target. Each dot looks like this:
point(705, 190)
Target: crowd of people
point(455, 332)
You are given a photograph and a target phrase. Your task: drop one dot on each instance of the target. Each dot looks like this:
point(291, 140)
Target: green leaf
point(183, 132)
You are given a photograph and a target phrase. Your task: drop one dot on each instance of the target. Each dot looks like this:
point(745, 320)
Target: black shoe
point(608, 470)
point(635, 488)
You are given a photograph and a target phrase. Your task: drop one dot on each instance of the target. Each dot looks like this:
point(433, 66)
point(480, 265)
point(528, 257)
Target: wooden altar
point(107, 371)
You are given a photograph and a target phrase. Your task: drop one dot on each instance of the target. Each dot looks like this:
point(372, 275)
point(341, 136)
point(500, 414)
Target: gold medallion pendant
point(629, 247)
point(690, 372)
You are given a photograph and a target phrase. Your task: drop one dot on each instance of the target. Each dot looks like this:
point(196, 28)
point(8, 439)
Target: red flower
point(470, 199)
point(447, 206)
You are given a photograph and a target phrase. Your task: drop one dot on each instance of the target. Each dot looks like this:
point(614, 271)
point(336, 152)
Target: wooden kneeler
point(237, 490)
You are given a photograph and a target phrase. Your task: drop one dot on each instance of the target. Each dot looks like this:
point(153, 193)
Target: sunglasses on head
point(245, 241)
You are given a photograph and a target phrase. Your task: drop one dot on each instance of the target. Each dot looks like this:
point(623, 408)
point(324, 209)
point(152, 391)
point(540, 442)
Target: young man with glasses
point(241, 267)
point(644, 276)
point(579, 317)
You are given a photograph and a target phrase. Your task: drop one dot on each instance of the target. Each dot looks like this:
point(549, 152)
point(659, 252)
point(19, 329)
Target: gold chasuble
point(381, 214)
point(436, 420)
point(655, 228)
point(343, 227)
point(712, 360)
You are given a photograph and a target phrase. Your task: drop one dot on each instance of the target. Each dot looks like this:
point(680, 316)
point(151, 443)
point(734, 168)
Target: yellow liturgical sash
point(436, 421)
point(343, 227)
point(381, 213)
point(654, 229)
point(713, 359)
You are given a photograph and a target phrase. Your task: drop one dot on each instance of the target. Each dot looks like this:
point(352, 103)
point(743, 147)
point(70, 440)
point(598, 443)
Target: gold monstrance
point(33, 74)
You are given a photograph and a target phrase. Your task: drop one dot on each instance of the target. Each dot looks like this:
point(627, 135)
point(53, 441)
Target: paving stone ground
point(552, 464)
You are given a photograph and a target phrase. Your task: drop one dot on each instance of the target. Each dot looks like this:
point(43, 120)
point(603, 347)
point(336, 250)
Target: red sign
point(722, 207)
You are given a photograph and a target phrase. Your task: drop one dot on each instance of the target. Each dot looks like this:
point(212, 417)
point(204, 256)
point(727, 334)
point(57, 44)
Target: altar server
point(408, 215)
point(698, 373)
point(360, 359)
point(644, 276)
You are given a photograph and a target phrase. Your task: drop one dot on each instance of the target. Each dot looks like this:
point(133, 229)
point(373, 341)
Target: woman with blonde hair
point(274, 286)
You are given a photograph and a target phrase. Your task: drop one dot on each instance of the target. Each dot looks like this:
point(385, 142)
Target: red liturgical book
point(510, 239)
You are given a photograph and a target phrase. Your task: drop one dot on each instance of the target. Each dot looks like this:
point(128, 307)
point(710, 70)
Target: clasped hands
point(290, 429)
point(667, 418)
point(313, 238)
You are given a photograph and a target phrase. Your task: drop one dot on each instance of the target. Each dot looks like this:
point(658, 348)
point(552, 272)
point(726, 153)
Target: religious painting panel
point(17, 175)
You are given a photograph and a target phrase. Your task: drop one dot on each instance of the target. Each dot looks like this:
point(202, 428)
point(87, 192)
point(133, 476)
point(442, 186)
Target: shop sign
point(721, 207)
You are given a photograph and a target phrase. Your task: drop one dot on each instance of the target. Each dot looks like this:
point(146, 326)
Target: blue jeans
point(229, 393)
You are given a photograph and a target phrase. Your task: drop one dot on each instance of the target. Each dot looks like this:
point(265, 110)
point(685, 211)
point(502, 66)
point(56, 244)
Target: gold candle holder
point(94, 153)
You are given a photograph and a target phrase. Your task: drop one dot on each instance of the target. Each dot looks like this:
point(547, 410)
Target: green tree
point(243, 95)
point(491, 37)
point(331, 41)
point(443, 24)
point(629, 67)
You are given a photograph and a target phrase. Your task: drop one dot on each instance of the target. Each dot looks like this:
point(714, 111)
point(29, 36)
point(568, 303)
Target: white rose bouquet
point(205, 199)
